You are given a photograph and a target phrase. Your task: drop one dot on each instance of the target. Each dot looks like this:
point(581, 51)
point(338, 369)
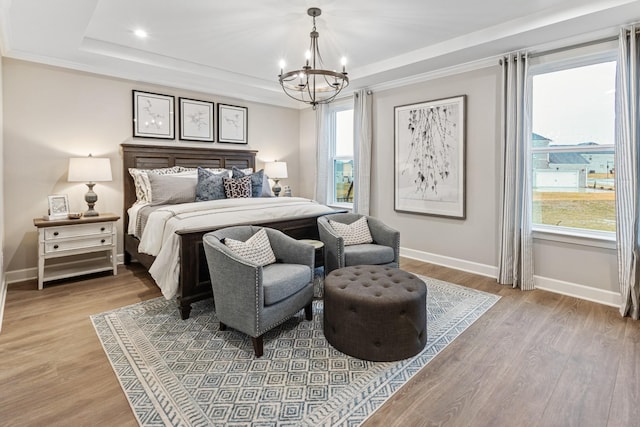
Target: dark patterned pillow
point(237, 188)
point(210, 185)
point(257, 179)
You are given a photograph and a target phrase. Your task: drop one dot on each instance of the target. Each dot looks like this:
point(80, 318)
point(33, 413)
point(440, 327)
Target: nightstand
point(72, 237)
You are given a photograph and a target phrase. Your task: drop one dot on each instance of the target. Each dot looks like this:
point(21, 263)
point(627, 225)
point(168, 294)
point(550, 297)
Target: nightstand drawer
point(79, 243)
point(79, 230)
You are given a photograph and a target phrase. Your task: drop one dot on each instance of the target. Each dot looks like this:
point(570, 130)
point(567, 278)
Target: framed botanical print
point(232, 124)
point(196, 120)
point(430, 157)
point(153, 115)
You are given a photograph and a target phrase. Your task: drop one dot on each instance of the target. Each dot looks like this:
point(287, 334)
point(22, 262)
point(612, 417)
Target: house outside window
point(341, 185)
point(572, 146)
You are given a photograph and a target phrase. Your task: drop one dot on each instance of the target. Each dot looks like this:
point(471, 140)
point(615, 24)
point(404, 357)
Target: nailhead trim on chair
point(256, 287)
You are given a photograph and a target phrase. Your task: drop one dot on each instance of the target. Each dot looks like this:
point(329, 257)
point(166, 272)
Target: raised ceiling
point(233, 48)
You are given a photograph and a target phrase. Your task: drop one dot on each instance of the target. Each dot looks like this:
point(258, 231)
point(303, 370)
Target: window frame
point(544, 64)
point(332, 110)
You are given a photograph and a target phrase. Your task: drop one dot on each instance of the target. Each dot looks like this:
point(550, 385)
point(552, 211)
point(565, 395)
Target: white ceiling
point(233, 48)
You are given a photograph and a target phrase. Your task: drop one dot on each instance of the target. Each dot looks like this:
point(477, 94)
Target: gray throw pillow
point(256, 180)
point(172, 189)
point(210, 185)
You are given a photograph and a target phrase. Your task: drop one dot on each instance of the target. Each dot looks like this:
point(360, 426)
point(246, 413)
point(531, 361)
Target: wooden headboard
point(153, 157)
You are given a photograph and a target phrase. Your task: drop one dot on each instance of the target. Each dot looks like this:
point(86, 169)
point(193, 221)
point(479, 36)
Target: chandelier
point(312, 84)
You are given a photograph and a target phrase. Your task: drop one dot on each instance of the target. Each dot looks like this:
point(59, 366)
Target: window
point(341, 152)
point(572, 146)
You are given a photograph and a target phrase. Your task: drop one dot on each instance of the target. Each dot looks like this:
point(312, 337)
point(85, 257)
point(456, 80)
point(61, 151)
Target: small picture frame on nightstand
point(58, 206)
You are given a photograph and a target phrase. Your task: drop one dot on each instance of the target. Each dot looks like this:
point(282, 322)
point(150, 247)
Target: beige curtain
point(362, 135)
point(515, 260)
point(627, 165)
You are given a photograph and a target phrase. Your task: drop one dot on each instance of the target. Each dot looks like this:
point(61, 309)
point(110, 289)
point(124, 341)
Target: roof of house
point(567, 159)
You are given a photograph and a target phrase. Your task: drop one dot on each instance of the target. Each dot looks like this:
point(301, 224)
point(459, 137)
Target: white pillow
point(256, 249)
point(141, 180)
point(355, 233)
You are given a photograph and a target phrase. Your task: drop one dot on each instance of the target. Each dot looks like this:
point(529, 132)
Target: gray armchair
point(254, 299)
point(385, 249)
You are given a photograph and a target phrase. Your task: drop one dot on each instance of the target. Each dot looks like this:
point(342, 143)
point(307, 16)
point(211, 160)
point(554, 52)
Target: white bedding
point(159, 237)
point(132, 212)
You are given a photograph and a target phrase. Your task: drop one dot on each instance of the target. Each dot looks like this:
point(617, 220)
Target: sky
point(575, 105)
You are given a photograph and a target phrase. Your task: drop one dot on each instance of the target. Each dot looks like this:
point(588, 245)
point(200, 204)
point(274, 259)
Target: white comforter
point(159, 237)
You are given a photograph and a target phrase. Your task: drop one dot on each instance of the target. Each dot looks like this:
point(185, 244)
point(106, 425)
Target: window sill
point(338, 205)
point(598, 239)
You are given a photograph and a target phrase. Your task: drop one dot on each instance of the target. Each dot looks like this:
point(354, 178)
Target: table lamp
point(276, 171)
point(89, 170)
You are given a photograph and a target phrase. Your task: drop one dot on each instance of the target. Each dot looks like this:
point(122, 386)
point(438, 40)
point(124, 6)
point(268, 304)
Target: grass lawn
point(589, 210)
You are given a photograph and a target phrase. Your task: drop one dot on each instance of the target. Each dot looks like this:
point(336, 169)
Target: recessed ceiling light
point(140, 33)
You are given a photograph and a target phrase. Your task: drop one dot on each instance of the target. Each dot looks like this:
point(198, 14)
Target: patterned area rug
point(188, 373)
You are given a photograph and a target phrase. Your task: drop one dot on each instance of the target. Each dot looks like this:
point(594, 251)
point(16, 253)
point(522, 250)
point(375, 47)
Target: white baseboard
point(576, 290)
point(3, 298)
point(455, 263)
point(32, 273)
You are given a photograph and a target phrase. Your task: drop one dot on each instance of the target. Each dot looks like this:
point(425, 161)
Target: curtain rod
point(575, 46)
point(562, 49)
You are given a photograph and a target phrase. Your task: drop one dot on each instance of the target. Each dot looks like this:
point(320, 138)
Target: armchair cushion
point(280, 281)
point(256, 249)
point(355, 233)
point(368, 254)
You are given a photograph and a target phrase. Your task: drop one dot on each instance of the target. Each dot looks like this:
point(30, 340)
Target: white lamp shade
point(89, 169)
point(276, 170)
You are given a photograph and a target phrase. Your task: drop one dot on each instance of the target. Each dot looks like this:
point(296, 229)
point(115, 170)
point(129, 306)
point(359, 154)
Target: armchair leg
point(257, 345)
point(308, 311)
point(223, 327)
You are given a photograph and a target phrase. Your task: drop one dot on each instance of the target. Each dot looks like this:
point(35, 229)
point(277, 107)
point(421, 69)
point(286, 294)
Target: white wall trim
point(3, 298)
point(575, 290)
point(455, 263)
point(436, 74)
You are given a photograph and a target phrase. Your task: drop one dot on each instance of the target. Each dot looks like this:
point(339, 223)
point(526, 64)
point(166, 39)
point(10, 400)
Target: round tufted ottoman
point(375, 313)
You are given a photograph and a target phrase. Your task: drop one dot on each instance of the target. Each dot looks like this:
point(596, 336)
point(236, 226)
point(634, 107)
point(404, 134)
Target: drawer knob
point(55, 233)
point(55, 246)
point(102, 229)
point(102, 241)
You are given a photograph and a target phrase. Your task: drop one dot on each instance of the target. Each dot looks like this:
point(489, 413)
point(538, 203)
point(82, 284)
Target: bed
point(193, 277)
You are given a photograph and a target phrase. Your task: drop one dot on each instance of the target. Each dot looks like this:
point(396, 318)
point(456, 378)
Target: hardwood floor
point(534, 359)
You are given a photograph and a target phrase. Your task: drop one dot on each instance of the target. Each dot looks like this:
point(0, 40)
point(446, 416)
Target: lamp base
point(276, 188)
point(91, 198)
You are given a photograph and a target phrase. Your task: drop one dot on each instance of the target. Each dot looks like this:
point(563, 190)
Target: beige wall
point(472, 243)
point(307, 153)
point(51, 114)
point(473, 239)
